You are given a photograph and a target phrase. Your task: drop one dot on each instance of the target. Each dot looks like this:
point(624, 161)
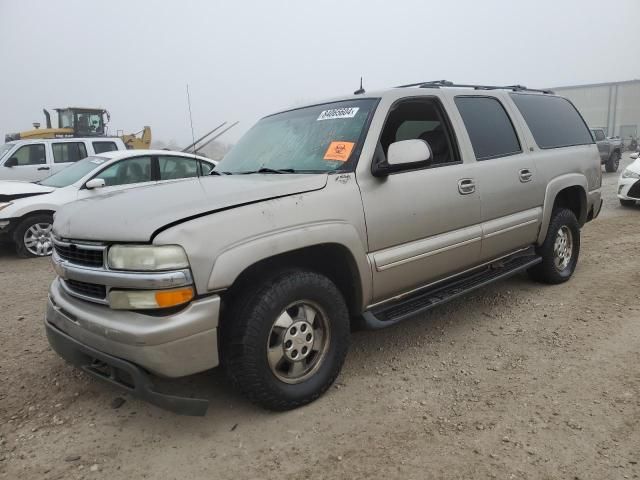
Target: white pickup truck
point(33, 160)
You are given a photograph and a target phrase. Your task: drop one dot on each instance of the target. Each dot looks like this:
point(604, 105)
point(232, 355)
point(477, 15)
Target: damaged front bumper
point(126, 347)
point(120, 373)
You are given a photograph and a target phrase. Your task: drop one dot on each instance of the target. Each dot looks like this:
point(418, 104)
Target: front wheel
point(32, 236)
point(613, 162)
point(560, 249)
point(286, 340)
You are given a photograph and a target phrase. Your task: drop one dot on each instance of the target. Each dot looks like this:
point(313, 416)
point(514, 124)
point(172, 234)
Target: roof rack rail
point(447, 83)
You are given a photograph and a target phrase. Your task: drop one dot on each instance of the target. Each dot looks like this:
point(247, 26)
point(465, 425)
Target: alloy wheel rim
point(563, 248)
point(37, 239)
point(298, 342)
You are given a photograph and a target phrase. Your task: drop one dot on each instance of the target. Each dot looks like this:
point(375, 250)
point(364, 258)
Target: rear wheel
point(560, 249)
point(32, 236)
point(286, 340)
point(613, 162)
point(627, 203)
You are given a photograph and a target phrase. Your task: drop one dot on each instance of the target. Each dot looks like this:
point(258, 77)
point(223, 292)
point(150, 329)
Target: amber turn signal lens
point(171, 298)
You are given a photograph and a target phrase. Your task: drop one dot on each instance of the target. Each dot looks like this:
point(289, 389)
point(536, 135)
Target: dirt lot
point(518, 381)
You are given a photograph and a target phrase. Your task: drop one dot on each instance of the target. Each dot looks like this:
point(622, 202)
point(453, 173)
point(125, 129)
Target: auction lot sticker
point(347, 112)
point(339, 151)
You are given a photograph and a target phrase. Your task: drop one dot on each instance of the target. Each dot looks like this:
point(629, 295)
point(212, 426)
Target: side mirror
point(634, 156)
point(94, 183)
point(405, 155)
point(11, 162)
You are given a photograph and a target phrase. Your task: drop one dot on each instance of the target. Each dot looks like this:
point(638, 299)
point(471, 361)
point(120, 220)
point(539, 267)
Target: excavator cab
point(85, 122)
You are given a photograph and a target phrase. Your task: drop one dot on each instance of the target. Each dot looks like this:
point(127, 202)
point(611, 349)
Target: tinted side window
point(177, 167)
point(134, 170)
point(30, 155)
point(421, 119)
point(553, 121)
point(489, 127)
point(101, 147)
point(69, 152)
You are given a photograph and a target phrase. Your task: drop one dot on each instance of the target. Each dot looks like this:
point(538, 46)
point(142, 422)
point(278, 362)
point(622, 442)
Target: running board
point(400, 309)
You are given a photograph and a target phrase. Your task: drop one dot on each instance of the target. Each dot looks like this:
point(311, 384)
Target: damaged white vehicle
point(629, 183)
point(26, 209)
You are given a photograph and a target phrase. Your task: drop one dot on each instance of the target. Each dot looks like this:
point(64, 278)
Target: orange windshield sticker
point(340, 151)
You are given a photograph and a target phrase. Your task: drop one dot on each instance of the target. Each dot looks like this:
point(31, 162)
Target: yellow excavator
point(82, 122)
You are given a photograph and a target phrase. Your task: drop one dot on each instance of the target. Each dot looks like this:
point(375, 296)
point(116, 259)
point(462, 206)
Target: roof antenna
point(193, 137)
point(360, 91)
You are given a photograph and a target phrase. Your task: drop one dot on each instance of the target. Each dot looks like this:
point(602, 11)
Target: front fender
point(237, 258)
point(553, 188)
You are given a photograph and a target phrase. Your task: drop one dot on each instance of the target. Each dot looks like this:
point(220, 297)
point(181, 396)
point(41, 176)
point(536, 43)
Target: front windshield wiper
point(270, 170)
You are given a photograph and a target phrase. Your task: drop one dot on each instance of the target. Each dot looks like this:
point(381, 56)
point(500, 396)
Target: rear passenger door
point(66, 153)
point(511, 192)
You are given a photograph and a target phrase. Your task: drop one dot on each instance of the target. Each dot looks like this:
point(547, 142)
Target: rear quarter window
point(554, 121)
point(101, 147)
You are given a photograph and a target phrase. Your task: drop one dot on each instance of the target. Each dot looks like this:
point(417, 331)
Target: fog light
point(149, 299)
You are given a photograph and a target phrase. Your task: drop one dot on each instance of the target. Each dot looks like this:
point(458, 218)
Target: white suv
point(33, 160)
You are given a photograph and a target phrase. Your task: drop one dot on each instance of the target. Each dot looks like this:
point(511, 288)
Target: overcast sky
point(245, 59)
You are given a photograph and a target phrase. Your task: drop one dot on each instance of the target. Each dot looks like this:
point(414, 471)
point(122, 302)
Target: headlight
point(147, 257)
point(629, 174)
point(149, 299)
point(5, 204)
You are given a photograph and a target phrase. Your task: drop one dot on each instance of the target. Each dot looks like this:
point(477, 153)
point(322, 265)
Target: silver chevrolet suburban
point(360, 211)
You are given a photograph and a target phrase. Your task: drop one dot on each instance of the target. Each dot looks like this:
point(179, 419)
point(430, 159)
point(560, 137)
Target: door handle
point(525, 175)
point(466, 186)
point(43, 168)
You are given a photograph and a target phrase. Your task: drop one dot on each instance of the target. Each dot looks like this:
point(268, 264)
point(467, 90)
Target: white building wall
point(612, 106)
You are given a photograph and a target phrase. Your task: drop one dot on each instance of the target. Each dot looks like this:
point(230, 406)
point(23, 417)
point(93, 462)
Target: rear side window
point(101, 147)
point(69, 152)
point(206, 167)
point(553, 121)
point(489, 127)
point(172, 168)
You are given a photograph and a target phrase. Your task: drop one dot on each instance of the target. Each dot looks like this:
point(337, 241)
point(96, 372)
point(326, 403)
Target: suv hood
point(12, 190)
point(133, 215)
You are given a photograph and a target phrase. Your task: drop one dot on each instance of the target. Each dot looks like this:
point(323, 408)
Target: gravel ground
point(516, 381)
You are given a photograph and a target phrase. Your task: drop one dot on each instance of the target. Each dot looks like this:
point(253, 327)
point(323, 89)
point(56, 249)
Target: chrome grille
point(85, 255)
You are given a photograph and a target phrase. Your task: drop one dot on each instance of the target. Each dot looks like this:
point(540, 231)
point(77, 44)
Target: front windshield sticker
point(97, 161)
point(347, 112)
point(339, 151)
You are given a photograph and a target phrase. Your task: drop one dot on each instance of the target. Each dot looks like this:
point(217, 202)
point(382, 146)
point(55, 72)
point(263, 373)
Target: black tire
point(547, 271)
point(627, 203)
point(248, 331)
point(23, 226)
point(613, 162)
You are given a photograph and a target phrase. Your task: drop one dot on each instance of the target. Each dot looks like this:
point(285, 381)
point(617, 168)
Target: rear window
point(489, 127)
point(553, 121)
point(101, 147)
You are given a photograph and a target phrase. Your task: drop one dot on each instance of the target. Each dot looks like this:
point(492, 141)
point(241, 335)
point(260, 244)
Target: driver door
point(31, 163)
point(422, 224)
